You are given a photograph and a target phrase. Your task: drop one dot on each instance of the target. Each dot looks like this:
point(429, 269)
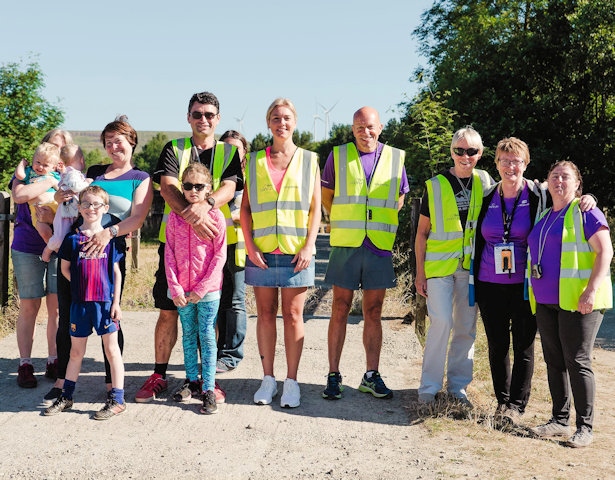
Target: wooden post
point(5, 223)
point(135, 241)
point(418, 311)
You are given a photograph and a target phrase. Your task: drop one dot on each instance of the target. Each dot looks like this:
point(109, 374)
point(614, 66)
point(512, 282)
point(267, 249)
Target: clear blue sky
point(145, 60)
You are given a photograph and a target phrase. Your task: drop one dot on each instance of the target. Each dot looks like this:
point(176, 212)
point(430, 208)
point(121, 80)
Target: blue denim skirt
point(280, 273)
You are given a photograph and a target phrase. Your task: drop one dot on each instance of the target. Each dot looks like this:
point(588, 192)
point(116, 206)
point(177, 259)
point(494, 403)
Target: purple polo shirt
point(368, 160)
point(546, 288)
point(492, 230)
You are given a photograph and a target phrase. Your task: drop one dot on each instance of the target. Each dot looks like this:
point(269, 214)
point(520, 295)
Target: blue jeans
point(232, 319)
point(198, 322)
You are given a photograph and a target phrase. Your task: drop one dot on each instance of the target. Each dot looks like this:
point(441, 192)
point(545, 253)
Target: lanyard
point(506, 218)
point(376, 159)
point(196, 156)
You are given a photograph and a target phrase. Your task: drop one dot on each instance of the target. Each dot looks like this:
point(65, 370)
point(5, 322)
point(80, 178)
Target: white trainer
point(291, 396)
point(269, 389)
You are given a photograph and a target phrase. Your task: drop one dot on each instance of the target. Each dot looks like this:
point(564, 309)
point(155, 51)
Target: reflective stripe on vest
point(280, 220)
point(359, 210)
point(223, 155)
point(576, 264)
point(448, 242)
point(240, 249)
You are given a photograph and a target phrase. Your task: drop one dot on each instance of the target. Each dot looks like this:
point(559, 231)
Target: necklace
point(465, 189)
point(197, 157)
point(542, 242)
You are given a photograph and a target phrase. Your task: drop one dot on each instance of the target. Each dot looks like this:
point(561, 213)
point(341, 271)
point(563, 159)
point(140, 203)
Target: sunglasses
point(463, 151)
point(94, 205)
point(199, 187)
point(207, 115)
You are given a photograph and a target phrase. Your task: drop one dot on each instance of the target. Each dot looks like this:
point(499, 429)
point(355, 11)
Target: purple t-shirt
point(492, 230)
point(368, 160)
point(25, 237)
point(546, 288)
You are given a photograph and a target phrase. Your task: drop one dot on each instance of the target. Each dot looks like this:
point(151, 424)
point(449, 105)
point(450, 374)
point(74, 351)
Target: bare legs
point(372, 329)
point(26, 323)
point(165, 335)
point(293, 301)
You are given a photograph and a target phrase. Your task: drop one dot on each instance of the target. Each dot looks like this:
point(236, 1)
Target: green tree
point(147, 158)
point(260, 142)
point(424, 131)
point(339, 135)
point(304, 139)
point(94, 157)
point(25, 116)
point(542, 71)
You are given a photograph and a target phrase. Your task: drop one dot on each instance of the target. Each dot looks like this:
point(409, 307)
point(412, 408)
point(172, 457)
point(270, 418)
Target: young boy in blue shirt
point(95, 291)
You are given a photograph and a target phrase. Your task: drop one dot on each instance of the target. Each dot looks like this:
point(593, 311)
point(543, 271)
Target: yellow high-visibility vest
point(223, 155)
point(359, 210)
point(280, 220)
point(448, 242)
point(576, 264)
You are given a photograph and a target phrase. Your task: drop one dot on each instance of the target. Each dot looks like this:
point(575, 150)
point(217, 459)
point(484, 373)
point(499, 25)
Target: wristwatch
point(211, 201)
point(113, 231)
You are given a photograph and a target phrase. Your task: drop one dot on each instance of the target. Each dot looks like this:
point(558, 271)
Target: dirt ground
point(358, 437)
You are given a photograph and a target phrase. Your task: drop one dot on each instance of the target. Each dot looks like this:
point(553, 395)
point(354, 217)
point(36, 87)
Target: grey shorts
point(35, 278)
point(359, 268)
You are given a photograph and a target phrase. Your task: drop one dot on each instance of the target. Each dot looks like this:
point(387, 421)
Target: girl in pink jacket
point(194, 273)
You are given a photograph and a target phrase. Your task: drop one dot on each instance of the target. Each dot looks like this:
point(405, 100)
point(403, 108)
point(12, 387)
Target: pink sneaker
point(152, 387)
point(219, 393)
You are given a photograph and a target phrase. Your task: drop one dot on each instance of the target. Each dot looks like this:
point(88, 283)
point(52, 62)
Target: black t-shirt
point(168, 165)
point(462, 188)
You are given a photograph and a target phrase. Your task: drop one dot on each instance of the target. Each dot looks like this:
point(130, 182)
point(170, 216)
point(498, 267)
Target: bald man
point(363, 188)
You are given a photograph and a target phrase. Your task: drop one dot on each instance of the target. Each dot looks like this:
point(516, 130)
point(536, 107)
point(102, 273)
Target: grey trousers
point(567, 343)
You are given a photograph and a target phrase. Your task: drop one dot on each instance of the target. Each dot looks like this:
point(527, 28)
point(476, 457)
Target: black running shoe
point(375, 385)
point(334, 387)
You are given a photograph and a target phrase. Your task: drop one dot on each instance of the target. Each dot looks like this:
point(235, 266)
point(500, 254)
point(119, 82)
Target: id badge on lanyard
point(504, 258)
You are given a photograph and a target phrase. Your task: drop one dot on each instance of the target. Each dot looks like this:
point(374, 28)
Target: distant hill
point(90, 140)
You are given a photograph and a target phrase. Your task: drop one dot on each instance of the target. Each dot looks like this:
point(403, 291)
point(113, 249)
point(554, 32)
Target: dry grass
point(137, 293)
point(446, 412)
point(8, 318)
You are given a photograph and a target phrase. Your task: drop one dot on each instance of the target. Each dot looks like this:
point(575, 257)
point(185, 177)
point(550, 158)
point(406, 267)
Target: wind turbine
point(326, 112)
point(240, 122)
point(316, 117)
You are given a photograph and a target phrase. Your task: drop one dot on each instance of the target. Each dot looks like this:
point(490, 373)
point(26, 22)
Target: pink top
point(277, 176)
point(193, 264)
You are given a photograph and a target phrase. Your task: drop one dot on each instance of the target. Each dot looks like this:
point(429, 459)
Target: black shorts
point(160, 291)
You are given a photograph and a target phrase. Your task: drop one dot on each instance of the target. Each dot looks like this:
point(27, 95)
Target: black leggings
point(505, 312)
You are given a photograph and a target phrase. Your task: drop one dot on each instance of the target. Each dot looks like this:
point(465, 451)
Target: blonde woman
point(280, 217)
